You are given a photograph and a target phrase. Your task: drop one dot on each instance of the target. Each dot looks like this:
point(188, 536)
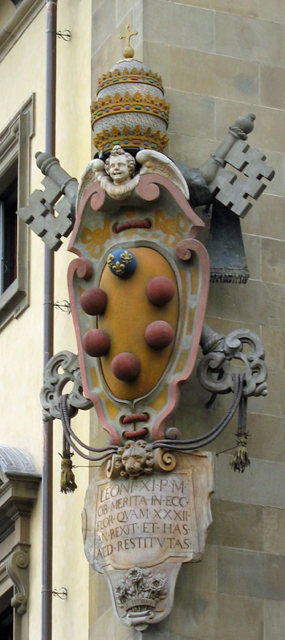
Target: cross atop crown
point(128, 50)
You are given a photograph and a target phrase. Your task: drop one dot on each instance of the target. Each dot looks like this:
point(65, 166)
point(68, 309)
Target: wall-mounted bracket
point(60, 593)
point(55, 381)
point(63, 306)
point(64, 35)
point(17, 568)
point(214, 370)
point(19, 482)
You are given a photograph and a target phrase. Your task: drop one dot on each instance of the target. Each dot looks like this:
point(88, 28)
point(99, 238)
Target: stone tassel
point(67, 478)
point(241, 459)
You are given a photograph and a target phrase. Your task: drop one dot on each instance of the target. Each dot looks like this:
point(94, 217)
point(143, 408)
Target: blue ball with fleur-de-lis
point(122, 263)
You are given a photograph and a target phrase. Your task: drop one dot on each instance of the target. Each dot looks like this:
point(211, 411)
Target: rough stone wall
point(220, 59)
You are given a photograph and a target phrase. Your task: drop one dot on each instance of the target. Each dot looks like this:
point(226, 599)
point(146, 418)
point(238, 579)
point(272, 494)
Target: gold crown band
point(108, 106)
point(134, 76)
point(147, 139)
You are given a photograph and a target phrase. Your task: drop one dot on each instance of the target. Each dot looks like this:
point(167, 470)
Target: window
point(19, 482)
point(14, 192)
point(8, 233)
point(6, 616)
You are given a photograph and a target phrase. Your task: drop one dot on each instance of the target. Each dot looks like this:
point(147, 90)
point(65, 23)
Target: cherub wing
point(93, 172)
point(155, 162)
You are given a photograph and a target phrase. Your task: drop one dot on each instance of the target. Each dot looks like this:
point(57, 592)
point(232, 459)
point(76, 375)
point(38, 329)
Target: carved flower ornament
point(135, 575)
point(140, 588)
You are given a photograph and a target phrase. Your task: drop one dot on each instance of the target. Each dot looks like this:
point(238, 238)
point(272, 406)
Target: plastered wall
point(220, 59)
point(22, 72)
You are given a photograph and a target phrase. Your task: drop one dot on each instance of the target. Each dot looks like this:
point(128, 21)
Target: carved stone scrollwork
point(215, 372)
point(132, 460)
point(164, 460)
point(138, 458)
point(17, 565)
point(55, 381)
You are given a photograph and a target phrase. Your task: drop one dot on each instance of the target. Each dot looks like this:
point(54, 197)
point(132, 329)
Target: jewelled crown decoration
point(130, 109)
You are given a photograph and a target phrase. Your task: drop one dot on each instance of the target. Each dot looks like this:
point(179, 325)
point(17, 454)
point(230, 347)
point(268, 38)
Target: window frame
point(5, 604)
point(8, 233)
point(19, 483)
point(15, 147)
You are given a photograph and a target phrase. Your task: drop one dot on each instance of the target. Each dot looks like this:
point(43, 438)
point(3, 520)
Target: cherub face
point(119, 170)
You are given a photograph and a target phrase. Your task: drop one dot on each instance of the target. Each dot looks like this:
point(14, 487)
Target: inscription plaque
point(149, 520)
point(154, 514)
point(138, 531)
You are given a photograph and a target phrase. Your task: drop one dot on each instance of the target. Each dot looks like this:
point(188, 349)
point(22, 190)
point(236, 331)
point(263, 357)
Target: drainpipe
point(47, 476)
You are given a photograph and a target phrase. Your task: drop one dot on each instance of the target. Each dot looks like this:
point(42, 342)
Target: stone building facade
point(218, 59)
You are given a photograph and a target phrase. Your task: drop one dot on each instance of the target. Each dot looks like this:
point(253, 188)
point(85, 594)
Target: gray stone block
point(251, 573)
point(191, 114)
point(259, 485)
point(249, 39)
point(274, 338)
point(252, 246)
point(215, 75)
point(122, 9)
point(273, 10)
point(272, 86)
point(274, 528)
point(103, 23)
point(274, 620)
point(239, 618)
point(235, 303)
point(236, 525)
point(194, 613)
point(179, 25)
point(273, 260)
point(248, 8)
point(266, 439)
point(190, 150)
point(200, 576)
point(157, 57)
